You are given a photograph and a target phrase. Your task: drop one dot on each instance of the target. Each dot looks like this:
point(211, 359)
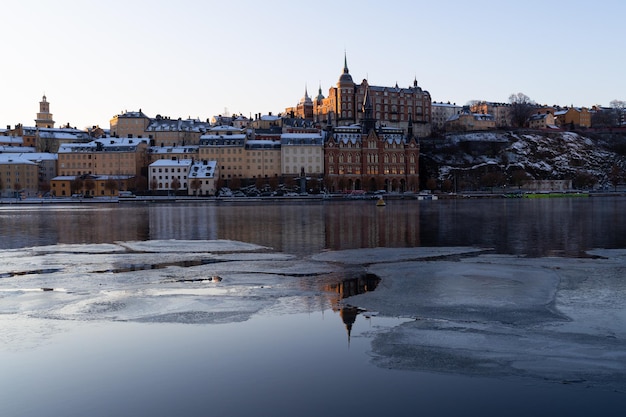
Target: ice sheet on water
point(469, 312)
point(375, 255)
point(188, 246)
point(214, 281)
point(559, 319)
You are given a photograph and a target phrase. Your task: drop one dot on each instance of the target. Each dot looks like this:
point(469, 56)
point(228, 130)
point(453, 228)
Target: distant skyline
point(198, 59)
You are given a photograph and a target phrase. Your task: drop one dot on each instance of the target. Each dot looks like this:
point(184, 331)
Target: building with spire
point(44, 117)
point(390, 106)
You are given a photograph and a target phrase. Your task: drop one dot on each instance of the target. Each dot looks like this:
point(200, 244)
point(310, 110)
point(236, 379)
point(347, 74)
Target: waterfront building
point(203, 176)
point(18, 175)
point(262, 160)
point(169, 175)
point(302, 154)
point(170, 152)
point(226, 145)
point(109, 156)
point(370, 157)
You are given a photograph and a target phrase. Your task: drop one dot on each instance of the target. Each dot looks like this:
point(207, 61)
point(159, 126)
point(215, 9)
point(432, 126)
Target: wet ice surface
point(554, 319)
point(155, 281)
point(464, 311)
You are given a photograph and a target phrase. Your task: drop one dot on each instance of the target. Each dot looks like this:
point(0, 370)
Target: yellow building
point(467, 122)
point(578, 117)
point(170, 152)
point(161, 131)
point(262, 159)
point(91, 185)
point(226, 145)
point(501, 112)
point(109, 156)
point(129, 124)
point(18, 174)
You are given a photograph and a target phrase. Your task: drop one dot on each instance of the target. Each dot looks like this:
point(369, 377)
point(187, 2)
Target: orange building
point(391, 106)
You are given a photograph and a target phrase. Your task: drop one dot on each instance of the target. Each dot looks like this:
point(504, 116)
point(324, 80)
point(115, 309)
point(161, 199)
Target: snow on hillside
point(553, 155)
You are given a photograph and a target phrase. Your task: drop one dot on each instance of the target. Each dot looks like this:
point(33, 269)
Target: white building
point(302, 152)
point(442, 112)
point(202, 178)
point(169, 175)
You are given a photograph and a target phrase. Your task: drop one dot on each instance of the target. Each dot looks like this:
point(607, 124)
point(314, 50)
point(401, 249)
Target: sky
point(193, 58)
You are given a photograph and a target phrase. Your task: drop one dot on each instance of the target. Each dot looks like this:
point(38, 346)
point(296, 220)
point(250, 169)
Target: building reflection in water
point(346, 288)
point(350, 226)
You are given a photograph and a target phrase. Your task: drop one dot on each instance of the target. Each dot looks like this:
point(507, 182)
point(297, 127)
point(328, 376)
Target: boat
point(380, 202)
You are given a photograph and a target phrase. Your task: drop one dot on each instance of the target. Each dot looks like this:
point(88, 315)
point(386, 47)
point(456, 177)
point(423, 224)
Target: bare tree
point(175, 184)
point(431, 184)
point(521, 109)
point(77, 185)
point(519, 177)
point(195, 185)
point(90, 185)
point(111, 186)
point(619, 107)
point(615, 176)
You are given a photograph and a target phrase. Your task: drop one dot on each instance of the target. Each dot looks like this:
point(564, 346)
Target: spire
point(345, 63)
point(368, 112)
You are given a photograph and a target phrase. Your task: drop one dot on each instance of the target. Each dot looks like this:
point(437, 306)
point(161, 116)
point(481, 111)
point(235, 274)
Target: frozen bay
point(185, 327)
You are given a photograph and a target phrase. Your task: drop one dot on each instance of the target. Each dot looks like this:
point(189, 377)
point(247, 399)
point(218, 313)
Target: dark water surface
point(533, 227)
point(299, 364)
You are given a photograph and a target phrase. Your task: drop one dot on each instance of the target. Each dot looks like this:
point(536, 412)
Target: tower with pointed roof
point(44, 117)
point(345, 103)
point(305, 106)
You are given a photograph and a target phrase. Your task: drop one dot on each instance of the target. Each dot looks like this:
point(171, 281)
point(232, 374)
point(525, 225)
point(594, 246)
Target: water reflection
point(536, 227)
point(346, 288)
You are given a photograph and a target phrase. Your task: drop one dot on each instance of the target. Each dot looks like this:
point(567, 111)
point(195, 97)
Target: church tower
point(345, 101)
point(305, 106)
point(44, 117)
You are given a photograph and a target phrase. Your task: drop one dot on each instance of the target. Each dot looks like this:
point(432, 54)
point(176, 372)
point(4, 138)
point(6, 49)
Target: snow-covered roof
point(173, 149)
point(39, 156)
point(203, 169)
point(262, 144)
point(186, 163)
point(179, 125)
point(16, 149)
point(301, 139)
point(15, 140)
point(106, 144)
point(14, 159)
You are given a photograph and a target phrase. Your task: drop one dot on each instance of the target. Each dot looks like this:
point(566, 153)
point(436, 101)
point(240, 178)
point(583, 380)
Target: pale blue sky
point(94, 59)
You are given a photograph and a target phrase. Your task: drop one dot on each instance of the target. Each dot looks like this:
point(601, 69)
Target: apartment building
point(18, 175)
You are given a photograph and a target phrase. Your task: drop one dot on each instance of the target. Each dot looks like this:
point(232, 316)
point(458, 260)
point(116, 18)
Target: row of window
point(302, 159)
point(370, 170)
